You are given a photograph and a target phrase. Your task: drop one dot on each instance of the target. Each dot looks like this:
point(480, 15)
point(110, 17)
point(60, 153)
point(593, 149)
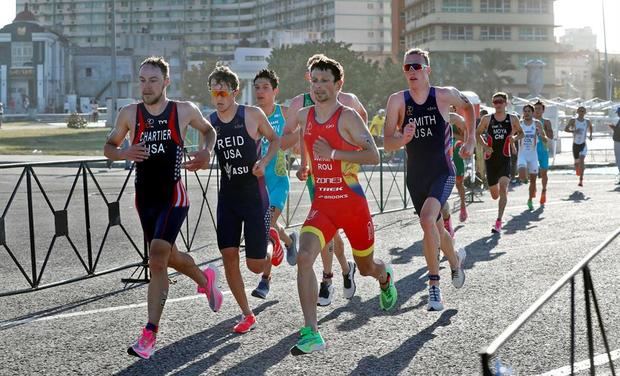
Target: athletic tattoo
point(164, 297)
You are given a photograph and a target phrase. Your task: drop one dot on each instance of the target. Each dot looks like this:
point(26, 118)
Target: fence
point(590, 299)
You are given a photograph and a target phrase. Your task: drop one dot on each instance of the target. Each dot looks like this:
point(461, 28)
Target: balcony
point(480, 19)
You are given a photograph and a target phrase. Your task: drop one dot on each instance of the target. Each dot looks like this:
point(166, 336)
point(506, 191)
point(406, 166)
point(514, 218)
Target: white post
point(3, 86)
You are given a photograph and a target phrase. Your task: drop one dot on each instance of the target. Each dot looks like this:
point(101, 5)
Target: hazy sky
point(568, 13)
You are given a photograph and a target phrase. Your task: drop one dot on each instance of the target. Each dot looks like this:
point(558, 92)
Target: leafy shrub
point(76, 121)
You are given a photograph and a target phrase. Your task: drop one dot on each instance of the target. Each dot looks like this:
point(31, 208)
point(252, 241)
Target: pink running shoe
point(463, 214)
point(278, 252)
point(447, 224)
point(246, 324)
point(144, 346)
point(498, 227)
point(211, 291)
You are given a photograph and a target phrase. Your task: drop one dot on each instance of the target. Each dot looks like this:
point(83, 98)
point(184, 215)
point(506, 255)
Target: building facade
point(522, 29)
point(34, 66)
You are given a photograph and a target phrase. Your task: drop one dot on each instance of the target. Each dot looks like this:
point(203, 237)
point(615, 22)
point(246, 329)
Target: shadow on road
point(188, 349)
point(522, 221)
point(577, 197)
point(398, 360)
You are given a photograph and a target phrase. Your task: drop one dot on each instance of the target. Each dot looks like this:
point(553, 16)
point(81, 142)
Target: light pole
point(607, 81)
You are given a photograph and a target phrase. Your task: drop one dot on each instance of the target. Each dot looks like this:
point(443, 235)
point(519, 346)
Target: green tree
point(195, 86)
point(599, 80)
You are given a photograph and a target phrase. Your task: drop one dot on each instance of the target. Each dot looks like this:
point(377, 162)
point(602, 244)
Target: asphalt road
point(85, 327)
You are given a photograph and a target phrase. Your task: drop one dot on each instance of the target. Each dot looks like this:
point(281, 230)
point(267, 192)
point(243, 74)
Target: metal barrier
point(590, 296)
point(102, 208)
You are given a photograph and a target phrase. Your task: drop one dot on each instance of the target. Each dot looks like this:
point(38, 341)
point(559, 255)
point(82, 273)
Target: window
point(89, 72)
point(21, 54)
point(495, 33)
point(457, 32)
point(533, 33)
point(522, 59)
point(457, 6)
point(495, 6)
point(371, 34)
point(533, 6)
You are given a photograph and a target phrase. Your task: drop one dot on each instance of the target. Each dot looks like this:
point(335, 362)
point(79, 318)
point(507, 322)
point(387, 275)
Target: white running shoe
point(326, 293)
point(349, 281)
point(458, 275)
point(435, 302)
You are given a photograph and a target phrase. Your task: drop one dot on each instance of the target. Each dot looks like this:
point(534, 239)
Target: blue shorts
point(250, 210)
point(439, 187)
point(161, 221)
point(278, 187)
point(543, 158)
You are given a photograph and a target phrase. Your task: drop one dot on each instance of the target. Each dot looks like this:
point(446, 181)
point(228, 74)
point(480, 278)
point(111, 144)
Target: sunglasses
point(414, 67)
point(499, 101)
point(220, 93)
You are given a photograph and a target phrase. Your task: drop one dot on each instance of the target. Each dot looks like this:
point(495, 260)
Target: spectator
point(376, 127)
point(1, 113)
point(616, 138)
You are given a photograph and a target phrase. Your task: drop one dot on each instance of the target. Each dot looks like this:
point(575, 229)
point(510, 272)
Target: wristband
point(333, 153)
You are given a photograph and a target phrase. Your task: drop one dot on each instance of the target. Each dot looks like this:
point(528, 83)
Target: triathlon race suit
point(528, 155)
point(430, 170)
point(276, 172)
point(339, 200)
point(459, 163)
point(161, 199)
point(243, 197)
point(579, 139)
point(542, 150)
point(498, 136)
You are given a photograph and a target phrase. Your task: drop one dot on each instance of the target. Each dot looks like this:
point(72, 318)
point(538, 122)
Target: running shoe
point(349, 281)
point(463, 214)
point(309, 341)
point(246, 324)
point(144, 346)
point(291, 250)
point(435, 302)
point(543, 198)
point(278, 253)
point(326, 292)
point(262, 290)
point(388, 297)
point(212, 292)
point(497, 228)
point(580, 183)
point(447, 224)
point(458, 275)
point(530, 204)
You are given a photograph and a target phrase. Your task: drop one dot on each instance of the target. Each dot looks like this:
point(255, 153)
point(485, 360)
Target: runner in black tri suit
point(157, 128)
point(242, 199)
point(291, 138)
point(417, 119)
point(501, 130)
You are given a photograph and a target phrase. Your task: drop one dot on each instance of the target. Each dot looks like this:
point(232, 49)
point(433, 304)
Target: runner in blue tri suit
point(543, 148)
point(417, 119)
point(243, 200)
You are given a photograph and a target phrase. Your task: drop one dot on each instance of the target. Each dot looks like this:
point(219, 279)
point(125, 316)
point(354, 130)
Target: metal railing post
point(89, 246)
point(588, 321)
point(381, 202)
point(33, 254)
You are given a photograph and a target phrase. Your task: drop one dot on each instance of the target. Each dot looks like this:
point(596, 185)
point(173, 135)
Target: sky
point(568, 14)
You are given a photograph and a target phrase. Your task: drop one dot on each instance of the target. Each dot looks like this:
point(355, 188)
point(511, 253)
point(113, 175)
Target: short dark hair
point(314, 58)
point(158, 62)
point(582, 107)
point(224, 75)
point(500, 94)
point(540, 103)
point(327, 64)
point(483, 112)
point(421, 52)
point(269, 75)
point(528, 106)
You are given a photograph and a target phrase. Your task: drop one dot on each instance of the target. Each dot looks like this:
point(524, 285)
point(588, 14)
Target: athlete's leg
point(494, 190)
point(544, 179)
point(582, 166)
point(230, 257)
point(503, 196)
point(523, 174)
point(370, 266)
point(309, 248)
point(460, 188)
point(159, 253)
point(431, 241)
point(184, 263)
point(275, 214)
point(533, 185)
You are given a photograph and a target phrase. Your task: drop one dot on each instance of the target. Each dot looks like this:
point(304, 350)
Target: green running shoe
point(309, 341)
point(387, 299)
point(530, 204)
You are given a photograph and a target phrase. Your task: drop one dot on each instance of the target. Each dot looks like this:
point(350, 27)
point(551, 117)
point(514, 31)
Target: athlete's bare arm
point(263, 129)
point(351, 100)
point(459, 121)
point(482, 128)
point(300, 118)
point(122, 126)
point(189, 112)
point(393, 136)
point(540, 130)
point(290, 136)
point(517, 131)
point(447, 96)
point(548, 129)
point(590, 128)
point(570, 126)
point(354, 131)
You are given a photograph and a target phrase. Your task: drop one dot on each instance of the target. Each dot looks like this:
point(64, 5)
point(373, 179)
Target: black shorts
point(250, 210)
point(439, 187)
point(496, 168)
point(579, 150)
point(161, 220)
